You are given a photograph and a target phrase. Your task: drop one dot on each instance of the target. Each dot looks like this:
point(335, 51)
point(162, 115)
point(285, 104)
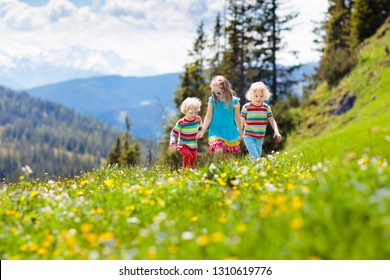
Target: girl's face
point(191, 114)
point(218, 87)
point(258, 96)
point(218, 84)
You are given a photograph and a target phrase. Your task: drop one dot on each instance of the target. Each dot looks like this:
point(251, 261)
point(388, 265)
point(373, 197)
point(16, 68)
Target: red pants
point(189, 156)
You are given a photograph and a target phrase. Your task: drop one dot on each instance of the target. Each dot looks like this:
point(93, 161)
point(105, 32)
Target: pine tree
point(115, 153)
point(367, 16)
point(125, 151)
point(216, 48)
point(236, 55)
point(338, 59)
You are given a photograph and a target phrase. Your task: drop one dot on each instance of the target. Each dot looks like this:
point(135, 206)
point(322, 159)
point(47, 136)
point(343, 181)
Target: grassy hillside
point(328, 197)
point(363, 129)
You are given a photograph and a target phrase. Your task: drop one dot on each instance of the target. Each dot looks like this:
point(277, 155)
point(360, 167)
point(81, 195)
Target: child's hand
point(278, 137)
point(173, 148)
point(199, 135)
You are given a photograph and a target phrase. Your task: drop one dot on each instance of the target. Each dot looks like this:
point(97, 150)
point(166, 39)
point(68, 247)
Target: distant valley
point(148, 101)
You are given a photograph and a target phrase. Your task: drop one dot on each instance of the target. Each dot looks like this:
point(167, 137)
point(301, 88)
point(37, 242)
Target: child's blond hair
point(258, 86)
point(226, 87)
point(190, 103)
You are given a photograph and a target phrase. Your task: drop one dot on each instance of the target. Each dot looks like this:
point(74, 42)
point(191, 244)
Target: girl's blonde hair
point(227, 90)
point(190, 103)
point(258, 86)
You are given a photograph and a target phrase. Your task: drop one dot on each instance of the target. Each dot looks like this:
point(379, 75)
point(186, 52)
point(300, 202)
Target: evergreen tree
point(216, 48)
point(115, 153)
point(236, 55)
point(338, 58)
point(367, 16)
point(125, 152)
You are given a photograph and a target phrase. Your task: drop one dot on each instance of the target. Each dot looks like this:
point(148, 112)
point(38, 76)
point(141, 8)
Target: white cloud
point(138, 37)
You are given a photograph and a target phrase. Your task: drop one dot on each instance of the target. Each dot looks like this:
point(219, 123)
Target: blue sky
point(124, 37)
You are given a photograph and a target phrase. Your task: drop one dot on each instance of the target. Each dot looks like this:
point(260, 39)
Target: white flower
point(27, 169)
point(187, 235)
point(133, 220)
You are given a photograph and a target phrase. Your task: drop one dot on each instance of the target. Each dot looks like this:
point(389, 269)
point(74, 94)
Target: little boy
point(182, 137)
point(254, 117)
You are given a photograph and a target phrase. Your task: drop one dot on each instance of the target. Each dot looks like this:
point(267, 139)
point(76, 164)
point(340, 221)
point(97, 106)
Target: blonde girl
point(223, 119)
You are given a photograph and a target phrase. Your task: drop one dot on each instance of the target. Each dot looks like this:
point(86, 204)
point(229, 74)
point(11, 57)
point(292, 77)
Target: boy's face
point(191, 113)
point(258, 96)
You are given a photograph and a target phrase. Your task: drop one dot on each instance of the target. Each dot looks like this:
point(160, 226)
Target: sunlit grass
point(277, 208)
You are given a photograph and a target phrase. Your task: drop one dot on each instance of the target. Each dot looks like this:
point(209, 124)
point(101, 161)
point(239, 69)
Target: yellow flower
point(105, 236)
point(296, 223)
point(266, 211)
point(221, 182)
point(85, 228)
point(242, 227)
point(296, 203)
point(203, 240)
point(33, 193)
point(171, 180)
point(42, 251)
point(313, 258)
point(222, 219)
point(290, 187)
point(223, 175)
point(194, 219)
point(130, 208)
point(91, 239)
point(280, 199)
point(84, 182)
point(217, 236)
point(109, 183)
point(172, 249)
point(23, 247)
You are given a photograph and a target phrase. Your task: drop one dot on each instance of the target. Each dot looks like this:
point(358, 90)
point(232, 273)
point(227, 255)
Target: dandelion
point(152, 253)
point(203, 240)
point(105, 237)
point(241, 227)
point(171, 180)
point(33, 193)
point(109, 183)
point(130, 208)
point(217, 236)
point(221, 182)
point(296, 223)
point(194, 219)
point(296, 203)
point(86, 228)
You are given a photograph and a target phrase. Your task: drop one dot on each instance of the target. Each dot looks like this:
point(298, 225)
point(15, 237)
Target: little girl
point(254, 117)
point(182, 137)
point(223, 117)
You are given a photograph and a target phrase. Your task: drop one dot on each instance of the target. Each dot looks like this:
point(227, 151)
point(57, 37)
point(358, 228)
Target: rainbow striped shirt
point(256, 119)
point(185, 131)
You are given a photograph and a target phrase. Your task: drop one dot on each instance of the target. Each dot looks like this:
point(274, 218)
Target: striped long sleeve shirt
point(185, 131)
point(256, 118)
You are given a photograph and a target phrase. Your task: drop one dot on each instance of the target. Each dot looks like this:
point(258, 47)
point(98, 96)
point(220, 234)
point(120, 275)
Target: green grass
point(363, 129)
point(278, 208)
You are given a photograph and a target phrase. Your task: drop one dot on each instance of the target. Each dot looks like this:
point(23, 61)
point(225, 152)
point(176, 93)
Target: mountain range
point(148, 101)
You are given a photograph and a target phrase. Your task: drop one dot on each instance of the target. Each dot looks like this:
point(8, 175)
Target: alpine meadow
point(323, 194)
